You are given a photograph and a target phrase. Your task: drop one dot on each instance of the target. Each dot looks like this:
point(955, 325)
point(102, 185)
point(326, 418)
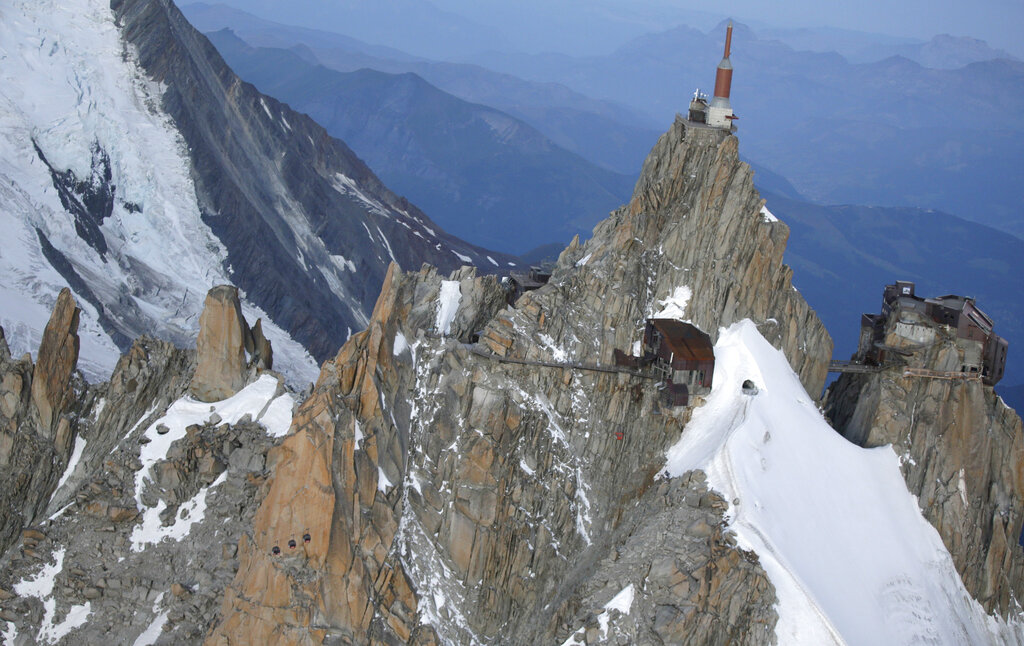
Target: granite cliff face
point(465, 470)
point(98, 510)
point(36, 435)
point(961, 448)
point(460, 498)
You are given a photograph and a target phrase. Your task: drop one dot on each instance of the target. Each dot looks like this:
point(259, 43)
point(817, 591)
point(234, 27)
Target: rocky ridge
point(437, 484)
point(962, 455)
point(100, 552)
point(36, 435)
point(458, 498)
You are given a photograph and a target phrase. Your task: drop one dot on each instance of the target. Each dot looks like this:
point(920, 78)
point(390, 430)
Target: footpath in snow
point(852, 559)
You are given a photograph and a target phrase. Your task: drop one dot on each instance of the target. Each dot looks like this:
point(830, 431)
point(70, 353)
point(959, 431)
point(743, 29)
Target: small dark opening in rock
point(306, 538)
point(291, 543)
point(276, 550)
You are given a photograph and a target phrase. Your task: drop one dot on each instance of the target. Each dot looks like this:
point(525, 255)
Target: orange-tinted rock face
point(58, 356)
point(36, 431)
point(223, 338)
point(327, 496)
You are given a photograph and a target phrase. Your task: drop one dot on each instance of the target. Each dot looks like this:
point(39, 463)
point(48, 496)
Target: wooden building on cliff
point(680, 353)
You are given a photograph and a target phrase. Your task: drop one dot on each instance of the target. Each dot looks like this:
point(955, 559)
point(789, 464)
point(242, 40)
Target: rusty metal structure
point(984, 352)
point(718, 113)
point(680, 354)
point(698, 112)
point(723, 74)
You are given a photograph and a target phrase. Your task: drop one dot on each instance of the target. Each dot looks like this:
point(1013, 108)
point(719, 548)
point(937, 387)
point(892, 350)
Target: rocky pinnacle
point(452, 496)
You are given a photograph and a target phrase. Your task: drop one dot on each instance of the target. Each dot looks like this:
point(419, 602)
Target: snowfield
point(852, 559)
point(447, 306)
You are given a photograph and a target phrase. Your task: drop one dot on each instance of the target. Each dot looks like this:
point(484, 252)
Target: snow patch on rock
point(76, 455)
point(152, 530)
point(41, 587)
point(256, 400)
point(674, 306)
point(447, 306)
point(622, 602)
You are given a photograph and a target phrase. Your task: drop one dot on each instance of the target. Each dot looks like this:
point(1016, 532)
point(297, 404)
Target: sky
point(595, 27)
point(997, 21)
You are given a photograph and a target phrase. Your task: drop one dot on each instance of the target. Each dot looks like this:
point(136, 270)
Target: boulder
point(262, 352)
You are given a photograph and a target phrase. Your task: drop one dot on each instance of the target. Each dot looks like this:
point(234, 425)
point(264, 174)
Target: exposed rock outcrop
point(57, 359)
point(111, 534)
point(458, 498)
point(146, 380)
point(693, 579)
point(170, 588)
point(35, 433)
point(961, 450)
point(224, 337)
point(262, 352)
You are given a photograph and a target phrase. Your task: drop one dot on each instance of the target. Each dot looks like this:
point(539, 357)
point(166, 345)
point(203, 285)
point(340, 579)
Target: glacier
point(70, 87)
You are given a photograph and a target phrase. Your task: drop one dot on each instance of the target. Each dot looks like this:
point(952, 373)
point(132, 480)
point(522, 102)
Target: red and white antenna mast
point(720, 111)
point(723, 75)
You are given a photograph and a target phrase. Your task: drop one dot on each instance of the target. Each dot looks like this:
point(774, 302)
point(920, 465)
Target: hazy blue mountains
point(415, 26)
point(892, 132)
point(842, 256)
point(607, 133)
point(483, 174)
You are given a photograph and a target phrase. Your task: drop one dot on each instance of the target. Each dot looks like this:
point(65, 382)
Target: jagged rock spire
point(57, 359)
point(223, 338)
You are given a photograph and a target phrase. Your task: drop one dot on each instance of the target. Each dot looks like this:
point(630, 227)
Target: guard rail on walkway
point(849, 366)
point(593, 367)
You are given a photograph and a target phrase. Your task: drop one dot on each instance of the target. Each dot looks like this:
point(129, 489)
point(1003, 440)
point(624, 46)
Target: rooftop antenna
point(720, 114)
point(723, 75)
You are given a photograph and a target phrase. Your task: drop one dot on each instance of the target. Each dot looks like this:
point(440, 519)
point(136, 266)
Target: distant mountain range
point(415, 26)
point(891, 132)
point(940, 52)
point(607, 133)
point(842, 257)
point(485, 175)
